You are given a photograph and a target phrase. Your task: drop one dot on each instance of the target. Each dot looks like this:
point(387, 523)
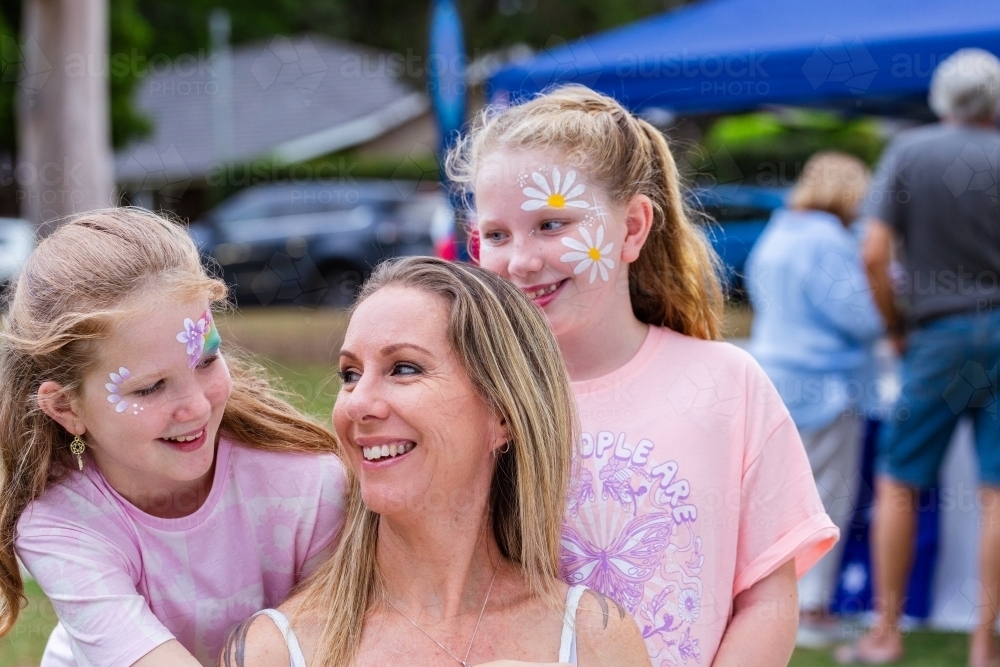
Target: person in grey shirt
point(934, 197)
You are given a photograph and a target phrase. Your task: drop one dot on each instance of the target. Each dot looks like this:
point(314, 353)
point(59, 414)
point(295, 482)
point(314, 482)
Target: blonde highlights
point(833, 182)
point(511, 357)
point(675, 281)
point(77, 285)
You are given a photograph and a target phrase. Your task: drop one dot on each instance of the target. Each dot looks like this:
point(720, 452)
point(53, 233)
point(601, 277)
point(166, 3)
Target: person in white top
point(457, 425)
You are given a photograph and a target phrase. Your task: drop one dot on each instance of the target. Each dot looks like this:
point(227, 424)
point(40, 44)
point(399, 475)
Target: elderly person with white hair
point(935, 195)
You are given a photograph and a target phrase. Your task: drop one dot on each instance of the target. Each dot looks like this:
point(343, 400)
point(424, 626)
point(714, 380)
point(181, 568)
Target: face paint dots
point(560, 194)
point(199, 338)
point(590, 254)
point(114, 388)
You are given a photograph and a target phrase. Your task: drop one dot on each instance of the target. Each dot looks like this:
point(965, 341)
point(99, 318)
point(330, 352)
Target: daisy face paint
point(590, 254)
point(562, 193)
point(553, 232)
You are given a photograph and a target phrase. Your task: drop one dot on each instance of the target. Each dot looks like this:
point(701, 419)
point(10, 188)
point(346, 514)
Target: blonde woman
point(814, 322)
point(456, 423)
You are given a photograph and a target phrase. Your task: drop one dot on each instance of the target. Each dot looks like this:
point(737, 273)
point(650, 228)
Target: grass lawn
point(923, 649)
point(306, 342)
point(24, 645)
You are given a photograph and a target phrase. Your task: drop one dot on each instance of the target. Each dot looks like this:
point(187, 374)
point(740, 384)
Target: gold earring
point(77, 447)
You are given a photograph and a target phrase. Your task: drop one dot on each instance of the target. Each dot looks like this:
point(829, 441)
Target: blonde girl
point(692, 504)
point(158, 490)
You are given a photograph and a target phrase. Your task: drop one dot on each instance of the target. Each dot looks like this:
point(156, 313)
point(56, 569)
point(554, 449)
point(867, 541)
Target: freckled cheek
point(219, 389)
point(494, 259)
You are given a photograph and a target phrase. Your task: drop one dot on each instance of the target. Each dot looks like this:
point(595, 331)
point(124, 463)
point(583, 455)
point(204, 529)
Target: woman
point(456, 422)
point(814, 322)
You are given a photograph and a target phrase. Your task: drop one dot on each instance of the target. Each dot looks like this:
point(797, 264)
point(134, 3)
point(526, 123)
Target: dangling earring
point(502, 449)
point(76, 448)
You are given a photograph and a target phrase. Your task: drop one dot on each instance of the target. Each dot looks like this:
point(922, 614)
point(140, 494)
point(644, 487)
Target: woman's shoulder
point(607, 634)
point(257, 642)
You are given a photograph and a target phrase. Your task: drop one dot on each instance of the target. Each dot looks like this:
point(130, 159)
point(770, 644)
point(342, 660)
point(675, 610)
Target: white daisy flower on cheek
point(559, 195)
point(590, 254)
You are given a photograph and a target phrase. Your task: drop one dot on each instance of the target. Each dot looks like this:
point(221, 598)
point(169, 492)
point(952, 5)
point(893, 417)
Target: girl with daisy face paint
point(691, 503)
point(156, 485)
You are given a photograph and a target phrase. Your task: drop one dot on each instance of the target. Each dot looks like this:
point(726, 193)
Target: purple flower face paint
point(114, 388)
point(200, 338)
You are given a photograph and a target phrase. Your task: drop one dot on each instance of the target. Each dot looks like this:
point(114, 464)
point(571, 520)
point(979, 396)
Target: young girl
point(156, 489)
point(692, 504)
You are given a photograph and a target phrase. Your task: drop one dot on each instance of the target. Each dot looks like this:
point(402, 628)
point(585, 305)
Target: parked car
point(314, 243)
point(737, 216)
point(17, 240)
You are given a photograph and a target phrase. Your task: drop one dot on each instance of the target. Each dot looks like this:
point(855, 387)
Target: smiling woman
point(457, 424)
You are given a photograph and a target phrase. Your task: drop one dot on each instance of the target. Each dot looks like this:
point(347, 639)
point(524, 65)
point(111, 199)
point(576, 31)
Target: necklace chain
point(472, 641)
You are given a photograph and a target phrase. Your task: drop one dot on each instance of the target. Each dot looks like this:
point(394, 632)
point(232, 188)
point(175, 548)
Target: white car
point(17, 240)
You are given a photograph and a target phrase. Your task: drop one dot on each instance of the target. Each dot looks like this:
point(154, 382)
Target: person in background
point(814, 321)
point(935, 194)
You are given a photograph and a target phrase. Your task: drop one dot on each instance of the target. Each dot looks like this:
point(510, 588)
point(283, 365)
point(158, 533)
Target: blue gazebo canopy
point(732, 55)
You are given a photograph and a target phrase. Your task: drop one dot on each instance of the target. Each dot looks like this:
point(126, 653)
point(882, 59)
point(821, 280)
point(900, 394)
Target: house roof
point(290, 99)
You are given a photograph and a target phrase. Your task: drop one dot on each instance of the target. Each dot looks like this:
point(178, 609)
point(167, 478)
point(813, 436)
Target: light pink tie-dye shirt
point(691, 485)
point(123, 582)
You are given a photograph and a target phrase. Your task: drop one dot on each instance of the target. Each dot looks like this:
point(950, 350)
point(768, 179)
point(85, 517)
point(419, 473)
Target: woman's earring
point(506, 447)
point(77, 447)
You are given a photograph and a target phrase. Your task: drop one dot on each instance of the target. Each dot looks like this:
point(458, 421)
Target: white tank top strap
point(567, 646)
point(280, 620)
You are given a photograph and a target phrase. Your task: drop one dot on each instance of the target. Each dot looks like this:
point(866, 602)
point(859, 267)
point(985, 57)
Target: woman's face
point(549, 229)
point(415, 430)
point(153, 405)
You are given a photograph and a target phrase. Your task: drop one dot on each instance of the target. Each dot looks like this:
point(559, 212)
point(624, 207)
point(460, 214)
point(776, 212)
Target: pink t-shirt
point(691, 485)
point(123, 582)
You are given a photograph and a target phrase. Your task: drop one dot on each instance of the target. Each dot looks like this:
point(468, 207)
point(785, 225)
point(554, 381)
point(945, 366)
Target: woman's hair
point(966, 87)
point(675, 281)
point(74, 289)
point(832, 182)
point(505, 346)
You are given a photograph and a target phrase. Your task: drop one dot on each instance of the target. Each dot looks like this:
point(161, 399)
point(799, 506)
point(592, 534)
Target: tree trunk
point(63, 119)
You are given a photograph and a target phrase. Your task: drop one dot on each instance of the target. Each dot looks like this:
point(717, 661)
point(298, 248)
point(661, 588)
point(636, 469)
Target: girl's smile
point(547, 228)
point(152, 428)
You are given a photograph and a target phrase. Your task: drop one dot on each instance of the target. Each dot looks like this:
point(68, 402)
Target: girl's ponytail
point(675, 281)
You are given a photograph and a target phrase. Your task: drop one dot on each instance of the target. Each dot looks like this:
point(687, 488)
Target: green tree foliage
point(393, 25)
point(772, 147)
point(144, 29)
point(129, 36)
point(10, 59)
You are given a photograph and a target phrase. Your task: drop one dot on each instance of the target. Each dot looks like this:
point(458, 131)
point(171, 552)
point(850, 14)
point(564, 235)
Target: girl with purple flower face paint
point(160, 494)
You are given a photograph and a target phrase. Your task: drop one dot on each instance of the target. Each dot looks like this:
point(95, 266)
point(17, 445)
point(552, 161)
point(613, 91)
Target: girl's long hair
point(675, 281)
point(509, 353)
point(77, 284)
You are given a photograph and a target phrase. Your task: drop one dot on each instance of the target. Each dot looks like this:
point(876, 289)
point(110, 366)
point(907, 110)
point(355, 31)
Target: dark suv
point(313, 243)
